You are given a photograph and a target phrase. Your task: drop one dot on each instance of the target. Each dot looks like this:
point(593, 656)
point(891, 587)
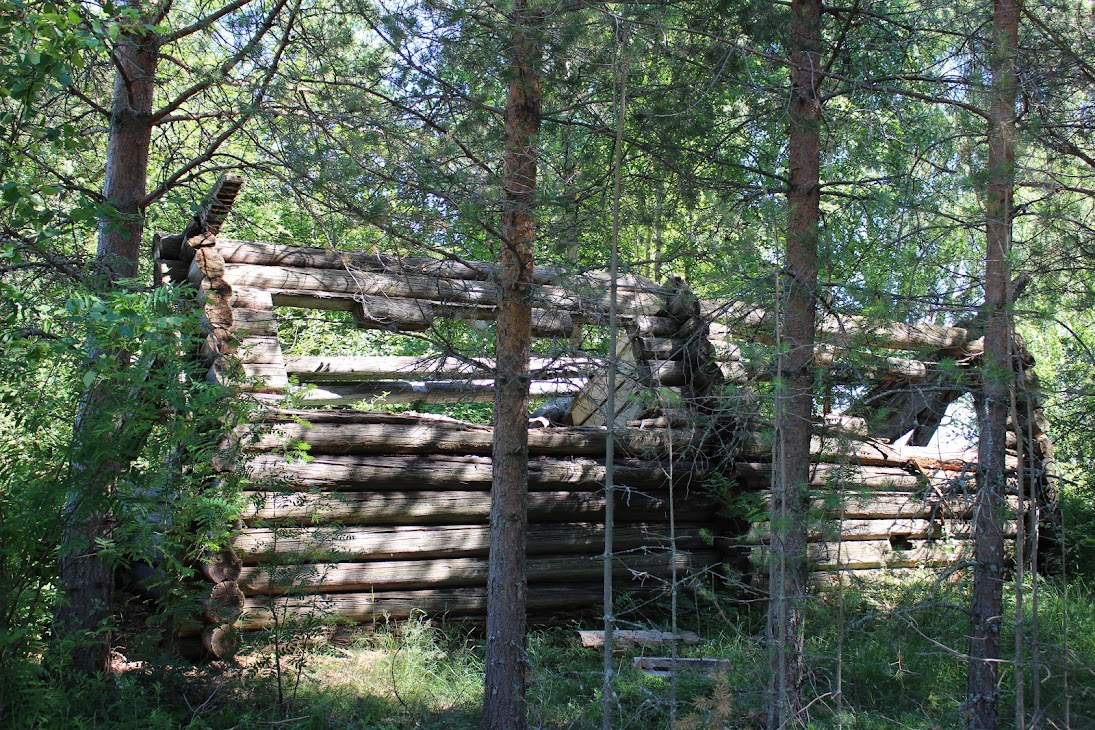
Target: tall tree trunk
point(794, 394)
point(86, 575)
point(996, 375)
point(504, 701)
point(125, 186)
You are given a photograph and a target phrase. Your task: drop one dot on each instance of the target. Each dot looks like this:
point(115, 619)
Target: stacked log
point(390, 514)
point(897, 510)
point(195, 252)
point(359, 516)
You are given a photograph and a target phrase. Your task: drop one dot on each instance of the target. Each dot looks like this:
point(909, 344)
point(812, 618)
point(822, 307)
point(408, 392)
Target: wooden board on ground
point(628, 638)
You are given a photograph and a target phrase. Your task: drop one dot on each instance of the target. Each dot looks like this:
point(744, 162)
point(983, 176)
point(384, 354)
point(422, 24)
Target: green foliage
point(155, 418)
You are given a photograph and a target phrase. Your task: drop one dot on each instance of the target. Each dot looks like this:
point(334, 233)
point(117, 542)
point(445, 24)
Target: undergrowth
point(897, 656)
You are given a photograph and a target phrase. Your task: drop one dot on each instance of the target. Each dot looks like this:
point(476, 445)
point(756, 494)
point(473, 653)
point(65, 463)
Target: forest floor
point(894, 654)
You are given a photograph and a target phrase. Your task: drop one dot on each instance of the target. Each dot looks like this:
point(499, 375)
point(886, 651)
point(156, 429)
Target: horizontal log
point(851, 529)
point(220, 641)
point(848, 578)
point(860, 554)
point(170, 270)
point(253, 323)
point(896, 478)
point(454, 473)
point(222, 565)
point(413, 574)
point(413, 315)
point(426, 436)
point(358, 368)
point(267, 378)
point(665, 348)
point(260, 350)
point(426, 391)
point(259, 545)
point(877, 505)
point(167, 245)
point(433, 508)
point(268, 254)
point(224, 603)
point(261, 612)
point(430, 288)
point(838, 329)
point(756, 446)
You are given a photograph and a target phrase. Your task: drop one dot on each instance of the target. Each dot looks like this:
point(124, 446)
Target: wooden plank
point(454, 473)
point(259, 545)
point(448, 507)
point(415, 574)
point(218, 202)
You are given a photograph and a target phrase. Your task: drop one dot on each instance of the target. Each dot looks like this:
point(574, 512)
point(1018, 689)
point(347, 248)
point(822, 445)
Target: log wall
point(388, 514)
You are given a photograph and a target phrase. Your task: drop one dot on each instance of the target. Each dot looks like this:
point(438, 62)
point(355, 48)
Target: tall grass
point(902, 666)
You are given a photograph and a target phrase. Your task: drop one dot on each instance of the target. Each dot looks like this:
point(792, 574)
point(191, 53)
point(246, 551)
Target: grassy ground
point(895, 656)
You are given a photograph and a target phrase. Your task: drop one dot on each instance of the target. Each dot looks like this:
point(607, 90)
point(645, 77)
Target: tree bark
point(86, 575)
point(135, 59)
point(987, 604)
point(504, 700)
point(794, 393)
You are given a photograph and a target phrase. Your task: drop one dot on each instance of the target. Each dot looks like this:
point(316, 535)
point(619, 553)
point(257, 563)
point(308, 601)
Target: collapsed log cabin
point(389, 512)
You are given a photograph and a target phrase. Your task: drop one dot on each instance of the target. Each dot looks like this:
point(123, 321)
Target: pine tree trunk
point(504, 701)
point(996, 374)
point(83, 615)
point(794, 393)
point(135, 60)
